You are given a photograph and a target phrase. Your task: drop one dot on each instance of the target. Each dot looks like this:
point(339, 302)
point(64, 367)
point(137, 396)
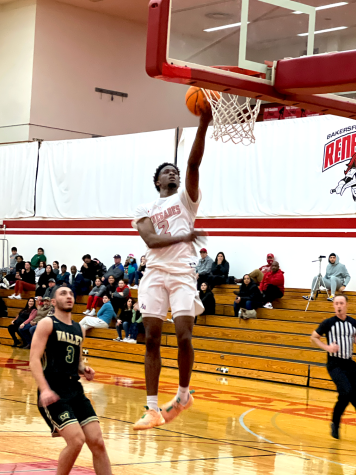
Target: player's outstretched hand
point(48, 397)
point(333, 348)
point(89, 373)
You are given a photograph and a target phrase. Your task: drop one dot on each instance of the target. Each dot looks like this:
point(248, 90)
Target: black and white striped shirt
point(341, 332)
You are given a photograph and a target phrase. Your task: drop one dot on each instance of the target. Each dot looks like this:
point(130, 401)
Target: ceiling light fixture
point(232, 25)
point(324, 7)
point(324, 31)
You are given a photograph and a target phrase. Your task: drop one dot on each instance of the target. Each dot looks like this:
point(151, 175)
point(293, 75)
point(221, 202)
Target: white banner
point(297, 167)
point(18, 164)
point(103, 177)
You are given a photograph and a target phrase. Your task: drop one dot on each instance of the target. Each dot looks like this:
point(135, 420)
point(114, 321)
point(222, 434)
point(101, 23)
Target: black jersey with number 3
point(62, 353)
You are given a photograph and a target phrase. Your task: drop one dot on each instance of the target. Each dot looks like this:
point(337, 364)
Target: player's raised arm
point(43, 330)
point(196, 155)
point(154, 241)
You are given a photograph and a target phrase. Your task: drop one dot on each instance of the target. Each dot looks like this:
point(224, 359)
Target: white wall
point(17, 31)
point(243, 253)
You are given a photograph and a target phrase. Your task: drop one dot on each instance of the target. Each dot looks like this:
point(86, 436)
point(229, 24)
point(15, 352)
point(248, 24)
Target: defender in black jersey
point(56, 362)
point(340, 332)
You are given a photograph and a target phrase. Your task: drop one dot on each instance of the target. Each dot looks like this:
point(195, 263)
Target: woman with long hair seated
point(207, 298)
point(219, 271)
point(249, 297)
point(25, 315)
point(44, 279)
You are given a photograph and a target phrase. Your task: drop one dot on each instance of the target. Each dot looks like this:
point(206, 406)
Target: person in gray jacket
point(204, 267)
point(95, 297)
point(117, 270)
point(51, 289)
point(336, 278)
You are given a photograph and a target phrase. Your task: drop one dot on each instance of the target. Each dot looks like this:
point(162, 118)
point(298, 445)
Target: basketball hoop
point(233, 121)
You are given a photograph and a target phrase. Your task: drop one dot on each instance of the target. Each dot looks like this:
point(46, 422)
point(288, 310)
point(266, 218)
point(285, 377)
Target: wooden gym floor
point(236, 426)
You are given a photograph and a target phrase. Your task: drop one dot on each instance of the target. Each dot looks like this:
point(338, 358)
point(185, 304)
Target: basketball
point(196, 101)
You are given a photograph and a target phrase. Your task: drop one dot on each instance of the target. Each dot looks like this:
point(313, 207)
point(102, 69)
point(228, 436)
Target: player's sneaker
point(150, 419)
point(172, 409)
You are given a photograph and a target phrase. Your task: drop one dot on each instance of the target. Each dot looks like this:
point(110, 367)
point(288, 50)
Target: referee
point(340, 332)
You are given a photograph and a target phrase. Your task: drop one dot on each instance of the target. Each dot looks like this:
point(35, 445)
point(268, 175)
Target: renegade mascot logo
point(341, 149)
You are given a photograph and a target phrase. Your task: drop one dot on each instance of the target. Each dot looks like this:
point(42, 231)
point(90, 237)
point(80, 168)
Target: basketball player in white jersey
point(167, 227)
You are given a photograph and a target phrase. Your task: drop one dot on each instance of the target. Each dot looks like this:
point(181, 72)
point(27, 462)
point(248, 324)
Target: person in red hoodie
point(257, 274)
point(272, 285)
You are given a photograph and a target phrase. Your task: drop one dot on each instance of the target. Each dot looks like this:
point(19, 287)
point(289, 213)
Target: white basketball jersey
point(174, 215)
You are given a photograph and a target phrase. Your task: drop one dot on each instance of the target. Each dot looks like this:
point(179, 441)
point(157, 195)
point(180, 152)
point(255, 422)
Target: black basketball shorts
point(74, 407)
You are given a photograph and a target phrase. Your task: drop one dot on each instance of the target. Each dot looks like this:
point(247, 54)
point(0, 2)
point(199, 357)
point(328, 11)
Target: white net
point(233, 121)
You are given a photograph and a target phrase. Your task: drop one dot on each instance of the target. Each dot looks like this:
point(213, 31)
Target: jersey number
point(164, 225)
point(70, 354)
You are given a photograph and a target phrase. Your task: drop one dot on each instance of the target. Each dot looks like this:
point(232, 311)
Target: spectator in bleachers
point(117, 270)
point(26, 281)
point(44, 279)
point(95, 298)
point(40, 256)
point(111, 287)
point(120, 296)
point(28, 330)
point(208, 299)
point(125, 320)
point(138, 273)
point(55, 268)
point(132, 269)
point(88, 270)
point(77, 282)
point(13, 261)
point(103, 319)
point(63, 277)
point(9, 280)
point(257, 274)
point(134, 328)
point(336, 278)
point(203, 268)
point(21, 317)
point(100, 268)
point(272, 285)
point(41, 269)
point(219, 271)
point(126, 269)
point(3, 308)
point(51, 289)
point(248, 298)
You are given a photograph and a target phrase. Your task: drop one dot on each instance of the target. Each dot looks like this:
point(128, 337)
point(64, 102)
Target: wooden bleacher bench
point(274, 347)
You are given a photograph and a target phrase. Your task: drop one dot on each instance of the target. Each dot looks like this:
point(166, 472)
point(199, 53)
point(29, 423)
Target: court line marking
point(299, 452)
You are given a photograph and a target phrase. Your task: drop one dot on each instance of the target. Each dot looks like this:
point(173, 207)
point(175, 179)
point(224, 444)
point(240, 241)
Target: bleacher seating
point(274, 347)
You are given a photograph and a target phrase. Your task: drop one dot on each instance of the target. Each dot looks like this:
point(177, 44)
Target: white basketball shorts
point(158, 291)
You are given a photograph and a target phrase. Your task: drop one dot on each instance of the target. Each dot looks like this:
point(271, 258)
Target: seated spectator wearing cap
point(249, 296)
point(40, 256)
point(94, 299)
point(103, 319)
point(140, 271)
point(44, 279)
point(88, 270)
point(117, 270)
point(257, 274)
point(25, 281)
point(132, 269)
point(336, 278)
point(219, 271)
point(272, 285)
point(120, 296)
point(100, 268)
point(136, 325)
point(125, 320)
point(27, 330)
point(203, 268)
point(77, 282)
point(55, 268)
point(63, 277)
point(51, 289)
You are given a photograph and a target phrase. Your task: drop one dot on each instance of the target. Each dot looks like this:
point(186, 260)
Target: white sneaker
point(134, 287)
point(268, 305)
point(6, 282)
point(132, 341)
point(91, 313)
point(117, 339)
point(12, 296)
point(18, 297)
point(125, 340)
point(170, 320)
point(87, 311)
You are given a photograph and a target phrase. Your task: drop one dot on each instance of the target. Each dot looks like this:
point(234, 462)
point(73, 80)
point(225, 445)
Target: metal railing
point(4, 251)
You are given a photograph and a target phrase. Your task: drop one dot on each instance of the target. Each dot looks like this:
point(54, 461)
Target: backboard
point(301, 54)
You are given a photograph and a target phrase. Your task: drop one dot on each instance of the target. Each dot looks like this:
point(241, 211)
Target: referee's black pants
point(343, 373)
